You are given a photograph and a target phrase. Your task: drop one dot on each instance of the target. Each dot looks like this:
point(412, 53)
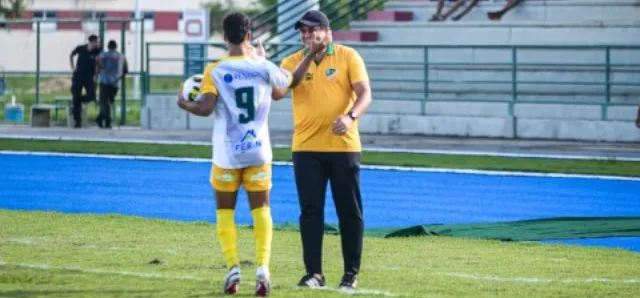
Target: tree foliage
point(219, 8)
point(12, 8)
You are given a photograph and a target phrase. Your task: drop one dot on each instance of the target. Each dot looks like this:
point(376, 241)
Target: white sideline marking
point(369, 167)
point(34, 242)
point(538, 280)
point(369, 292)
point(365, 148)
point(100, 271)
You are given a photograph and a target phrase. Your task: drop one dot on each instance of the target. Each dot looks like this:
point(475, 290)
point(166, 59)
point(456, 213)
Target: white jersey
point(241, 132)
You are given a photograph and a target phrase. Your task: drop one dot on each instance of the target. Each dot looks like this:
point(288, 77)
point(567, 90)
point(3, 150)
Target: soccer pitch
point(56, 255)
point(46, 254)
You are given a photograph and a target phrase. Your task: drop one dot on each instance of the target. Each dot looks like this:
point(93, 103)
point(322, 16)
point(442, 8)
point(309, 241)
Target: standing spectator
point(330, 92)
point(83, 76)
point(497, 15)
point(438, 16)
point(638, 118)
point(111, 66)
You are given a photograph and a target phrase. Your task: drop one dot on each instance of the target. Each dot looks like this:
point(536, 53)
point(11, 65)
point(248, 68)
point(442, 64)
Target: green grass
point(54, 255)
point(24, 89)
point(599, 167)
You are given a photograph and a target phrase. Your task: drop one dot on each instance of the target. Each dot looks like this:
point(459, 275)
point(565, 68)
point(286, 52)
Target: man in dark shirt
point(83, 76)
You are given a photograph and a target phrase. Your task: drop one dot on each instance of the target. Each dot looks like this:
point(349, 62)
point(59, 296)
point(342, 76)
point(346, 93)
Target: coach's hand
point(342, 125)
point(318, 45)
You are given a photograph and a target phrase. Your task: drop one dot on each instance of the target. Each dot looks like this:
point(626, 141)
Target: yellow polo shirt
point(325, 94)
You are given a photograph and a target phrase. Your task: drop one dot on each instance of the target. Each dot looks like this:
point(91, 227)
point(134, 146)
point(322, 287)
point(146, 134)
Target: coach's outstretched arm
point(300, 71)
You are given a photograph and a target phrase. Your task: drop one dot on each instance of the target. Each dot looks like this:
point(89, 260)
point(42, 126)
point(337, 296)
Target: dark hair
point(93, 38)
point(236, 25)
point(112, 45)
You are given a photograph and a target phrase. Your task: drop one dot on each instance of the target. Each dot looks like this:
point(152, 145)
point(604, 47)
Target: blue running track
point(181, 191)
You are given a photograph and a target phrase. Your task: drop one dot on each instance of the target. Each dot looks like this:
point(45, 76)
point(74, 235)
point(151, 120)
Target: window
point(93, 15)
point(48, 17)
point(148, 20)
point(91, 20)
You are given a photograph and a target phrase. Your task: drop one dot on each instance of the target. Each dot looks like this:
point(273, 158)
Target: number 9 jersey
point(243, 86)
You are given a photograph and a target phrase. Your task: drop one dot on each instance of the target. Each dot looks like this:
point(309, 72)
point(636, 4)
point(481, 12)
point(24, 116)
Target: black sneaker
point(349, 283)
point(312, 281)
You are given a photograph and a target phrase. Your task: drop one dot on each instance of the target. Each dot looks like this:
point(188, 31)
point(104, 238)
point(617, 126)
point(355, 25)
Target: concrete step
point(390, 16)
point(503, 33)
point(355, 36)
point(539, 10)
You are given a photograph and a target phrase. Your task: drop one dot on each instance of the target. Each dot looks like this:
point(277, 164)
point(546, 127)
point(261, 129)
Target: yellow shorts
point(254, 179)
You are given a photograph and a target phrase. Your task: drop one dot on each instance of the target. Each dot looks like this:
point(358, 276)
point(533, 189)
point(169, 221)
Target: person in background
point(111, 66)
point(497, 15)
point(638, 118)
point(83, 76)
point(439, 17)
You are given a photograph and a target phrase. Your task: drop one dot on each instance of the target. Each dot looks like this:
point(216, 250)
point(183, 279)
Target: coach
point(330, 92)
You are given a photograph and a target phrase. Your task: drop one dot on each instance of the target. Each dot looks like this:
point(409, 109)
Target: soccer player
point(238, 89)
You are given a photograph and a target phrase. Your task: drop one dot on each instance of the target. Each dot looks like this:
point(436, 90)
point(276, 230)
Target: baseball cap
point(313, 18)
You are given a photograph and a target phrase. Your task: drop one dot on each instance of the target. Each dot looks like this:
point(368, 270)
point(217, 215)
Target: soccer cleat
point(311, 280)
point(349, 283)
point(232, 280)
point(263, 281)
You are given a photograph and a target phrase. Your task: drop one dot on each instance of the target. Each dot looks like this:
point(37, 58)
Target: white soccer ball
point(191, 88)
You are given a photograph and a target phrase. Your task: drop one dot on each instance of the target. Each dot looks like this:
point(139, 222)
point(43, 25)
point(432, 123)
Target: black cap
point(313, 18)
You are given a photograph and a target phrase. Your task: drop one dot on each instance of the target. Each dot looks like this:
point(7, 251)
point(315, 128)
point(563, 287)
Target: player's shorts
point(254, 179)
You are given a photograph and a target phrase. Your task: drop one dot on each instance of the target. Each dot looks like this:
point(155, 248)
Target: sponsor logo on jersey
point(249, 142)
point(243, 75)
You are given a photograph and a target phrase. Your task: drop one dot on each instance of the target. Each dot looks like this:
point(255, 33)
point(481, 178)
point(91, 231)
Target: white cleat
point(263, 281)
point(232, 280)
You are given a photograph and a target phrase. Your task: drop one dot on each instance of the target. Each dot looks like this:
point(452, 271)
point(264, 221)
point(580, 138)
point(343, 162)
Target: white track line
point(369, 167)
point(538, 280)
point(366, 148)
point(147, 275)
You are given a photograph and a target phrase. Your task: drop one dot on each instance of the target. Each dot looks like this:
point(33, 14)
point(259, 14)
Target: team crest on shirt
point(248, 142)
point(331, 73)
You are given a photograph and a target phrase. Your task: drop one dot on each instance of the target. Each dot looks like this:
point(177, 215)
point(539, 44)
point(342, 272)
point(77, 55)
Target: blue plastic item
point(14, 113)
point(3, 81)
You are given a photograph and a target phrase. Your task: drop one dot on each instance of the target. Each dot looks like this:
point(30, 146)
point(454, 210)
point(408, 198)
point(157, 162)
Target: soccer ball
point(191, 88)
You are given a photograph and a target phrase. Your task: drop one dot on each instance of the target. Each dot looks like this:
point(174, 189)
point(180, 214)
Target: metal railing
point(339, 12)
point(512, 87)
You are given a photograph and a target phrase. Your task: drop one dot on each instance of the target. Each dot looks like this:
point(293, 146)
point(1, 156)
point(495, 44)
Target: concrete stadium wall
point(508, 33)
point(537, 11)
point(531, 121)
point(120, 4)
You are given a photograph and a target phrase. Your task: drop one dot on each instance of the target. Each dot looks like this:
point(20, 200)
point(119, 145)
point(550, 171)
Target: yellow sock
point(263, 233)
point(228, 236)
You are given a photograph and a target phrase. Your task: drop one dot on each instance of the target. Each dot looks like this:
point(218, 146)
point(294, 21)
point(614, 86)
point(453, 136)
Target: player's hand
point(342, 125)
point(259, 52)
point(318, 45)
point(181, 101)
